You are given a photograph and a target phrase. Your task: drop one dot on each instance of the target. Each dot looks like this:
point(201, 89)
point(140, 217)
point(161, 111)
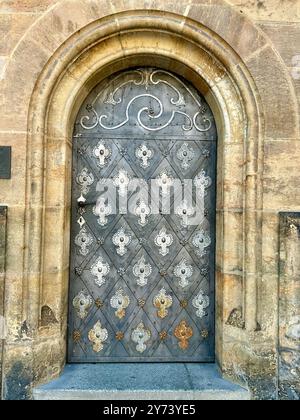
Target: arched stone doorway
point(205, 60)
point(143, 253)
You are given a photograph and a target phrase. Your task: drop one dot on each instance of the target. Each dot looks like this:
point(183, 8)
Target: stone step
point(141, 381)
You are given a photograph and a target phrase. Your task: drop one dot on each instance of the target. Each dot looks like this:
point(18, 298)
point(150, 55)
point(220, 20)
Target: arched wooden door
point(142, 282)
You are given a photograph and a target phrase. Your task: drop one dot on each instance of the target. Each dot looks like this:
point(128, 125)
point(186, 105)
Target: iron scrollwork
point(148, 78)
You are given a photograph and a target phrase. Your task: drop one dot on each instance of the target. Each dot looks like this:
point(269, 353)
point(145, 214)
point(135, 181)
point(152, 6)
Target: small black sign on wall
point(5, 162)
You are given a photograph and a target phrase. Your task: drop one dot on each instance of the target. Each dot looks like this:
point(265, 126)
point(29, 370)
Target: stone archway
point(192, 39)
point(191, 51)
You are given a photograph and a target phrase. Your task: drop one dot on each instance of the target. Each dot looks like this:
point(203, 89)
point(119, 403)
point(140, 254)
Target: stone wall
point(264, 36)
point(289, 308)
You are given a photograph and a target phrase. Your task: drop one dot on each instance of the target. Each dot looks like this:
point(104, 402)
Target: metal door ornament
point(162, 301)
point(102, 211)
point(201, 302)
point(184, 212)
point(102, 153)
point(144, 154)
point(99, 270)
point(84, 240)
point(122, 180)
point(142, 211)
point(140, 336)
point(184, 272)
point(98, 336)
point(120, 301)
point(164, 240)
point(142, 270)
point(85, 179)
point(201, 242)
point(82, 303)
point(183, 332)
point(186, 155)
point(165, 181)
point(121, 240)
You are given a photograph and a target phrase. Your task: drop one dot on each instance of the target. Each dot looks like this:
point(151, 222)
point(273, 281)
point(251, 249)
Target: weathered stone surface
point(286, 45)
point(230, 240)
point(272, 10)
point(18, 373)
point(289, 309)
point(243, 37)
point(277, 95)
point(148, 382)
point(270, 243)
point(12, 27)
point(35, 6)
point(3, 62)
point(295, 73)
point(281, 181)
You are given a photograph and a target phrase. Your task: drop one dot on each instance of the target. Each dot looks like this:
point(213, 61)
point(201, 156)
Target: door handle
point(83, 203)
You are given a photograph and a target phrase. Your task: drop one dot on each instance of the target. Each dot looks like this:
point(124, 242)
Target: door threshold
point(140, 381)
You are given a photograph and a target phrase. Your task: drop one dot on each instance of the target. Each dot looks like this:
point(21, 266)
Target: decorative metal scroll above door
point(142, 280)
